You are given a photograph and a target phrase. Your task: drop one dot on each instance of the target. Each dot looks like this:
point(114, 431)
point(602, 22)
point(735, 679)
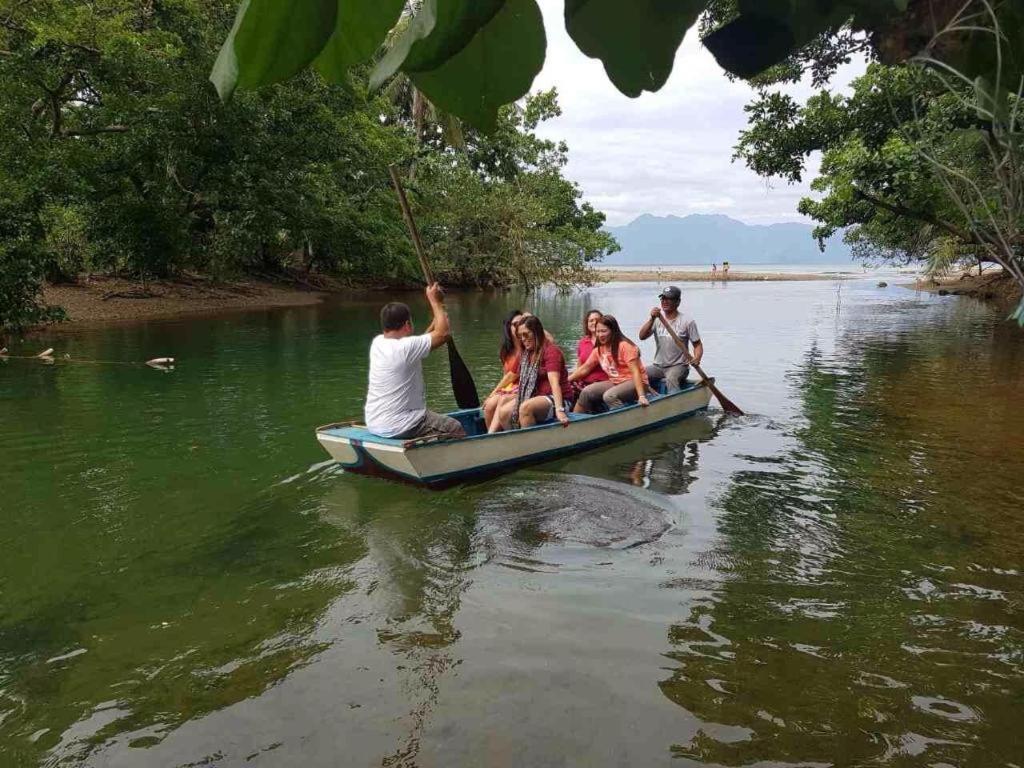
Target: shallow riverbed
point(835, 579)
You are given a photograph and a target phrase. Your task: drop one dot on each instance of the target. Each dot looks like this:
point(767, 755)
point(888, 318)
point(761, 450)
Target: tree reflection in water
point(171, 635)
point(860, 606)
point(420, 552)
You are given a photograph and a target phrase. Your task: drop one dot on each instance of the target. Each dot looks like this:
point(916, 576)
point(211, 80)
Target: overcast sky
point(665, 153)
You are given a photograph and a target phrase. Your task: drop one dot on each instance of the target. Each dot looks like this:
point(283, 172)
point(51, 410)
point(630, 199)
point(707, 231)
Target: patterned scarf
point(527, 382)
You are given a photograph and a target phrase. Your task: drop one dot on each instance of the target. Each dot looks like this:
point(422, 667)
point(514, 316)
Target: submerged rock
point(572, 509)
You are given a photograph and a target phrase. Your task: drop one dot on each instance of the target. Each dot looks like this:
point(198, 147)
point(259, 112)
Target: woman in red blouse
point(543, 380)
point(584, 348)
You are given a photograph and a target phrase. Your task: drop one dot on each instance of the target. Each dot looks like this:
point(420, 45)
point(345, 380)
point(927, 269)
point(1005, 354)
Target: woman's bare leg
point(534, 410)
point(491, 405)
point(504, 414)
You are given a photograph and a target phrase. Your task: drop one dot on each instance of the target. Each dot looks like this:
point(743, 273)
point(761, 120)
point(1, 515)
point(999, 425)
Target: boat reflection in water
point(665, 461)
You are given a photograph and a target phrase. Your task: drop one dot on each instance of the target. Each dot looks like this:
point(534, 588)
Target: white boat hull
point(444, 462)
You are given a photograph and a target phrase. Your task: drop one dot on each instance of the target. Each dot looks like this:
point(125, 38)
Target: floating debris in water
point(66, 656)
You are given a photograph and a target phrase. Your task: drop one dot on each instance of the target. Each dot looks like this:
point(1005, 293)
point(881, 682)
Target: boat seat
point(472, 421)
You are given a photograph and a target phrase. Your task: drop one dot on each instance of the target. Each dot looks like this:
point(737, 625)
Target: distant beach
point(747, 273)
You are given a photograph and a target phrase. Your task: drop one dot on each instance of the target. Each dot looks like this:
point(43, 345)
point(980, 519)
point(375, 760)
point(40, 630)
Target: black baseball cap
point(672, 293)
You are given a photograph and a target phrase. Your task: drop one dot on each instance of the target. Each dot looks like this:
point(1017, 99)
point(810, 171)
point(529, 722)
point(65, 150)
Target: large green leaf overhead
point(766, 32)
point(359, 32)
point(271, 41)
point(438, 31)
point(636, 40)
point(497, 66)
point(472, 56)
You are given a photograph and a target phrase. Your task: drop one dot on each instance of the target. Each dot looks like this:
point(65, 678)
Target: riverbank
point(994, 286)
point(110, 299)
point(735, 276)
point(100, 300)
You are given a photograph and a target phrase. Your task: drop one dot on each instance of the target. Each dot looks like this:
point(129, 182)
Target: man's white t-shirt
point(667, 352)
point(396, 396)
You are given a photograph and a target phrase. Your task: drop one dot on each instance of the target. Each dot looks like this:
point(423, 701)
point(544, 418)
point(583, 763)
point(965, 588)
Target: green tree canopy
point(911, 167)
point(116, 156)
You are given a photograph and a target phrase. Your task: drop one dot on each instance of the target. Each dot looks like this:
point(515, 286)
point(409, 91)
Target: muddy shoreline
point(97, 301)
point(995, 286)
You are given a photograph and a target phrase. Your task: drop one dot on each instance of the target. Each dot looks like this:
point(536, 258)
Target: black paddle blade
point(462, 380)
point(727, 405)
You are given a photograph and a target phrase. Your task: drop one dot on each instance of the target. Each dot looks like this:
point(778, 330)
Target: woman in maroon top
point(584, 348)
point(543, 380)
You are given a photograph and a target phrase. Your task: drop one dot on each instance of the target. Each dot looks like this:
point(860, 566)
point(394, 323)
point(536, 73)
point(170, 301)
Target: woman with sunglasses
point(543, 380)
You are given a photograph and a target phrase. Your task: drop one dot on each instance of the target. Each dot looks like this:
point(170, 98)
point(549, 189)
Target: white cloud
point(668, 152)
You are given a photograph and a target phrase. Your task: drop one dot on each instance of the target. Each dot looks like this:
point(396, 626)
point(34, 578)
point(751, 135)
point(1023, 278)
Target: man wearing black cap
point(670, 362)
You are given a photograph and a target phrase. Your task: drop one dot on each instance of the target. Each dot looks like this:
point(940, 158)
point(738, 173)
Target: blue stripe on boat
point(359, 435)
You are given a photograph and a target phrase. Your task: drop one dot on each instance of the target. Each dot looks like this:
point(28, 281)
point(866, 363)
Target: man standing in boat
point(396, 405)
point(672, 363)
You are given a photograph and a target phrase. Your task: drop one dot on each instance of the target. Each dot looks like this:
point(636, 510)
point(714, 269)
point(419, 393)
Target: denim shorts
point(566, 403)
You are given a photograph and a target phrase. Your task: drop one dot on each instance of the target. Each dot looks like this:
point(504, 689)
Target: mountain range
point(714, 238)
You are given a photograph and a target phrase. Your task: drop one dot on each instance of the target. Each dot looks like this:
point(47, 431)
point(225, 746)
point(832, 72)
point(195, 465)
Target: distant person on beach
point(670, 362)
point(725, 269)
point(396, 403)
point(714, 270)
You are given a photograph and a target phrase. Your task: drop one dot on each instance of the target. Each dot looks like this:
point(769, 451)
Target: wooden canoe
point(437, 462)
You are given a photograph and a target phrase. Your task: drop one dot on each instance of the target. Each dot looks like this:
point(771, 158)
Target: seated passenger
point(620, 358)
point(396, 398)
point(509, 356)
point(584, 348)
point(543, 380)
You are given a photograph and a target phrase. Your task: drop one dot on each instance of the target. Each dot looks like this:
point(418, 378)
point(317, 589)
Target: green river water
point(835, 579)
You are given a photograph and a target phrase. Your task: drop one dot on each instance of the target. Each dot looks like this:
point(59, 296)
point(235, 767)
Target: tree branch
point(909, 213)
point(95, 131)
point(13, 26)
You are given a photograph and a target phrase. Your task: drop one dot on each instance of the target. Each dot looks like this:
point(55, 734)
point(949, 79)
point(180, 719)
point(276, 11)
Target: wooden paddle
point(463, 385)
point(727, 405)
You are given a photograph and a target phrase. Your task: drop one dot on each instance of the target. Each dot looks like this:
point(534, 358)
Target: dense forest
point(923, 163)
point(117, 157)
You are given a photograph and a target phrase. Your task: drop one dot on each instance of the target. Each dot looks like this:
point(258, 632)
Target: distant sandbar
point(705, 276)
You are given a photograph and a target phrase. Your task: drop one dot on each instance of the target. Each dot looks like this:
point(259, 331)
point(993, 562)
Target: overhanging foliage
point(472, 56)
